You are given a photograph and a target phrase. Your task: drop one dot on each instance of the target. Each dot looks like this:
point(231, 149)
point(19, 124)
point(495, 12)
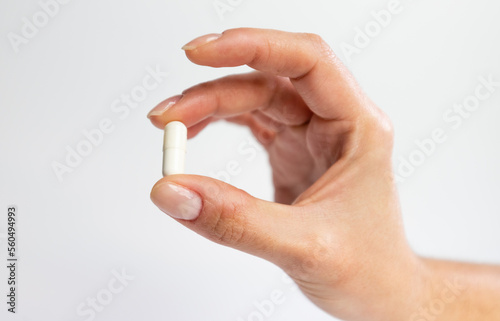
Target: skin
point(335, 226)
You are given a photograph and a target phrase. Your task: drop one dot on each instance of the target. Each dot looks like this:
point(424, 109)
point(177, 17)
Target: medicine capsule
point(174, 148)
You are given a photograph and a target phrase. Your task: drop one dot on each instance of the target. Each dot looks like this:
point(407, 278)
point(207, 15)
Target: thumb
point(227, 215)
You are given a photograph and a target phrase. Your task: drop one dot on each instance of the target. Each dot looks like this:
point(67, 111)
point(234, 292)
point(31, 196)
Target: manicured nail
point(164, 106)
point(200, 41)
point(177, 201)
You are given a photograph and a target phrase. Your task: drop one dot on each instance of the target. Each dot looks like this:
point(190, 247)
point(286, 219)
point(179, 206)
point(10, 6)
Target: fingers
point(264, 134)
point(320, 78)
point(226, 215)
point(232, 96)
point(268, 122)
point(195, 129)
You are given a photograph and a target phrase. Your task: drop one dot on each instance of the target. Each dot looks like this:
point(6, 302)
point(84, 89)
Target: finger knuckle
point(319, 44)
point(227, 225)
point(315, 38)
point(383, 128)
point(377, 131)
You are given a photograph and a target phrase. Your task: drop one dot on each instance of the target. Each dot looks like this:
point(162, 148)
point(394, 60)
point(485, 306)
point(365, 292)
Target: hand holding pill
point(335, 226)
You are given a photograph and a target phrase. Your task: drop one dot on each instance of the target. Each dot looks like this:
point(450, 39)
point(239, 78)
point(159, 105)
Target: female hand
point(336, 225)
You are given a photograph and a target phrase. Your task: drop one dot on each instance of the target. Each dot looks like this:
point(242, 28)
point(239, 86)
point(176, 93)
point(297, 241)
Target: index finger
point(319, 77)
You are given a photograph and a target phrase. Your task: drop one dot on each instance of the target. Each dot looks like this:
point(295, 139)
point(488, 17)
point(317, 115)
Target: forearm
point(460, 291)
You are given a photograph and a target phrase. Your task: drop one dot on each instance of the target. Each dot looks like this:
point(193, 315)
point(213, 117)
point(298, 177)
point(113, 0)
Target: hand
point(336, 225)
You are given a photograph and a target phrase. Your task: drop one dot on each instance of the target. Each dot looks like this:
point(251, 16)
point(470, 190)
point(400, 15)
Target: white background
point(73, 234)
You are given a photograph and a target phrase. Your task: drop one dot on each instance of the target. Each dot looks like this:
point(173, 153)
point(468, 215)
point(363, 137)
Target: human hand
point(336, 226)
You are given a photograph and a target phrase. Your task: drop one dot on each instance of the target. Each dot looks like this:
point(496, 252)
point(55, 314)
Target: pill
point(174, 148)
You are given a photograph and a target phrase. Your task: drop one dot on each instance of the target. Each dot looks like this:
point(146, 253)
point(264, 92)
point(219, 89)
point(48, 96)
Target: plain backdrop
point(76, 233)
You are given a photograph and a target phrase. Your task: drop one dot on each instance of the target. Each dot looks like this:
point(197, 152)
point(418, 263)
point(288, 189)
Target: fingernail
point(164, 106)
point(200, 41)
point(177, 201)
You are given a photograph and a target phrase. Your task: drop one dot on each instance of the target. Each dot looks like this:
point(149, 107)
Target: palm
point(292, 164)
point(301, 145)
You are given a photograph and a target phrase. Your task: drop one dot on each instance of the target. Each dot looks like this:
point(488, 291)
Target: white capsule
point(174, 148)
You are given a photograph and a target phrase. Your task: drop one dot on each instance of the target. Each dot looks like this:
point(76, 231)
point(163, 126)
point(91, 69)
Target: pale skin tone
point(335, 226)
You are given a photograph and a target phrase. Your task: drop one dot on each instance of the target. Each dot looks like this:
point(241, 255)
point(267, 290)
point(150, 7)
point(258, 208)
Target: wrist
point(409, 290)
